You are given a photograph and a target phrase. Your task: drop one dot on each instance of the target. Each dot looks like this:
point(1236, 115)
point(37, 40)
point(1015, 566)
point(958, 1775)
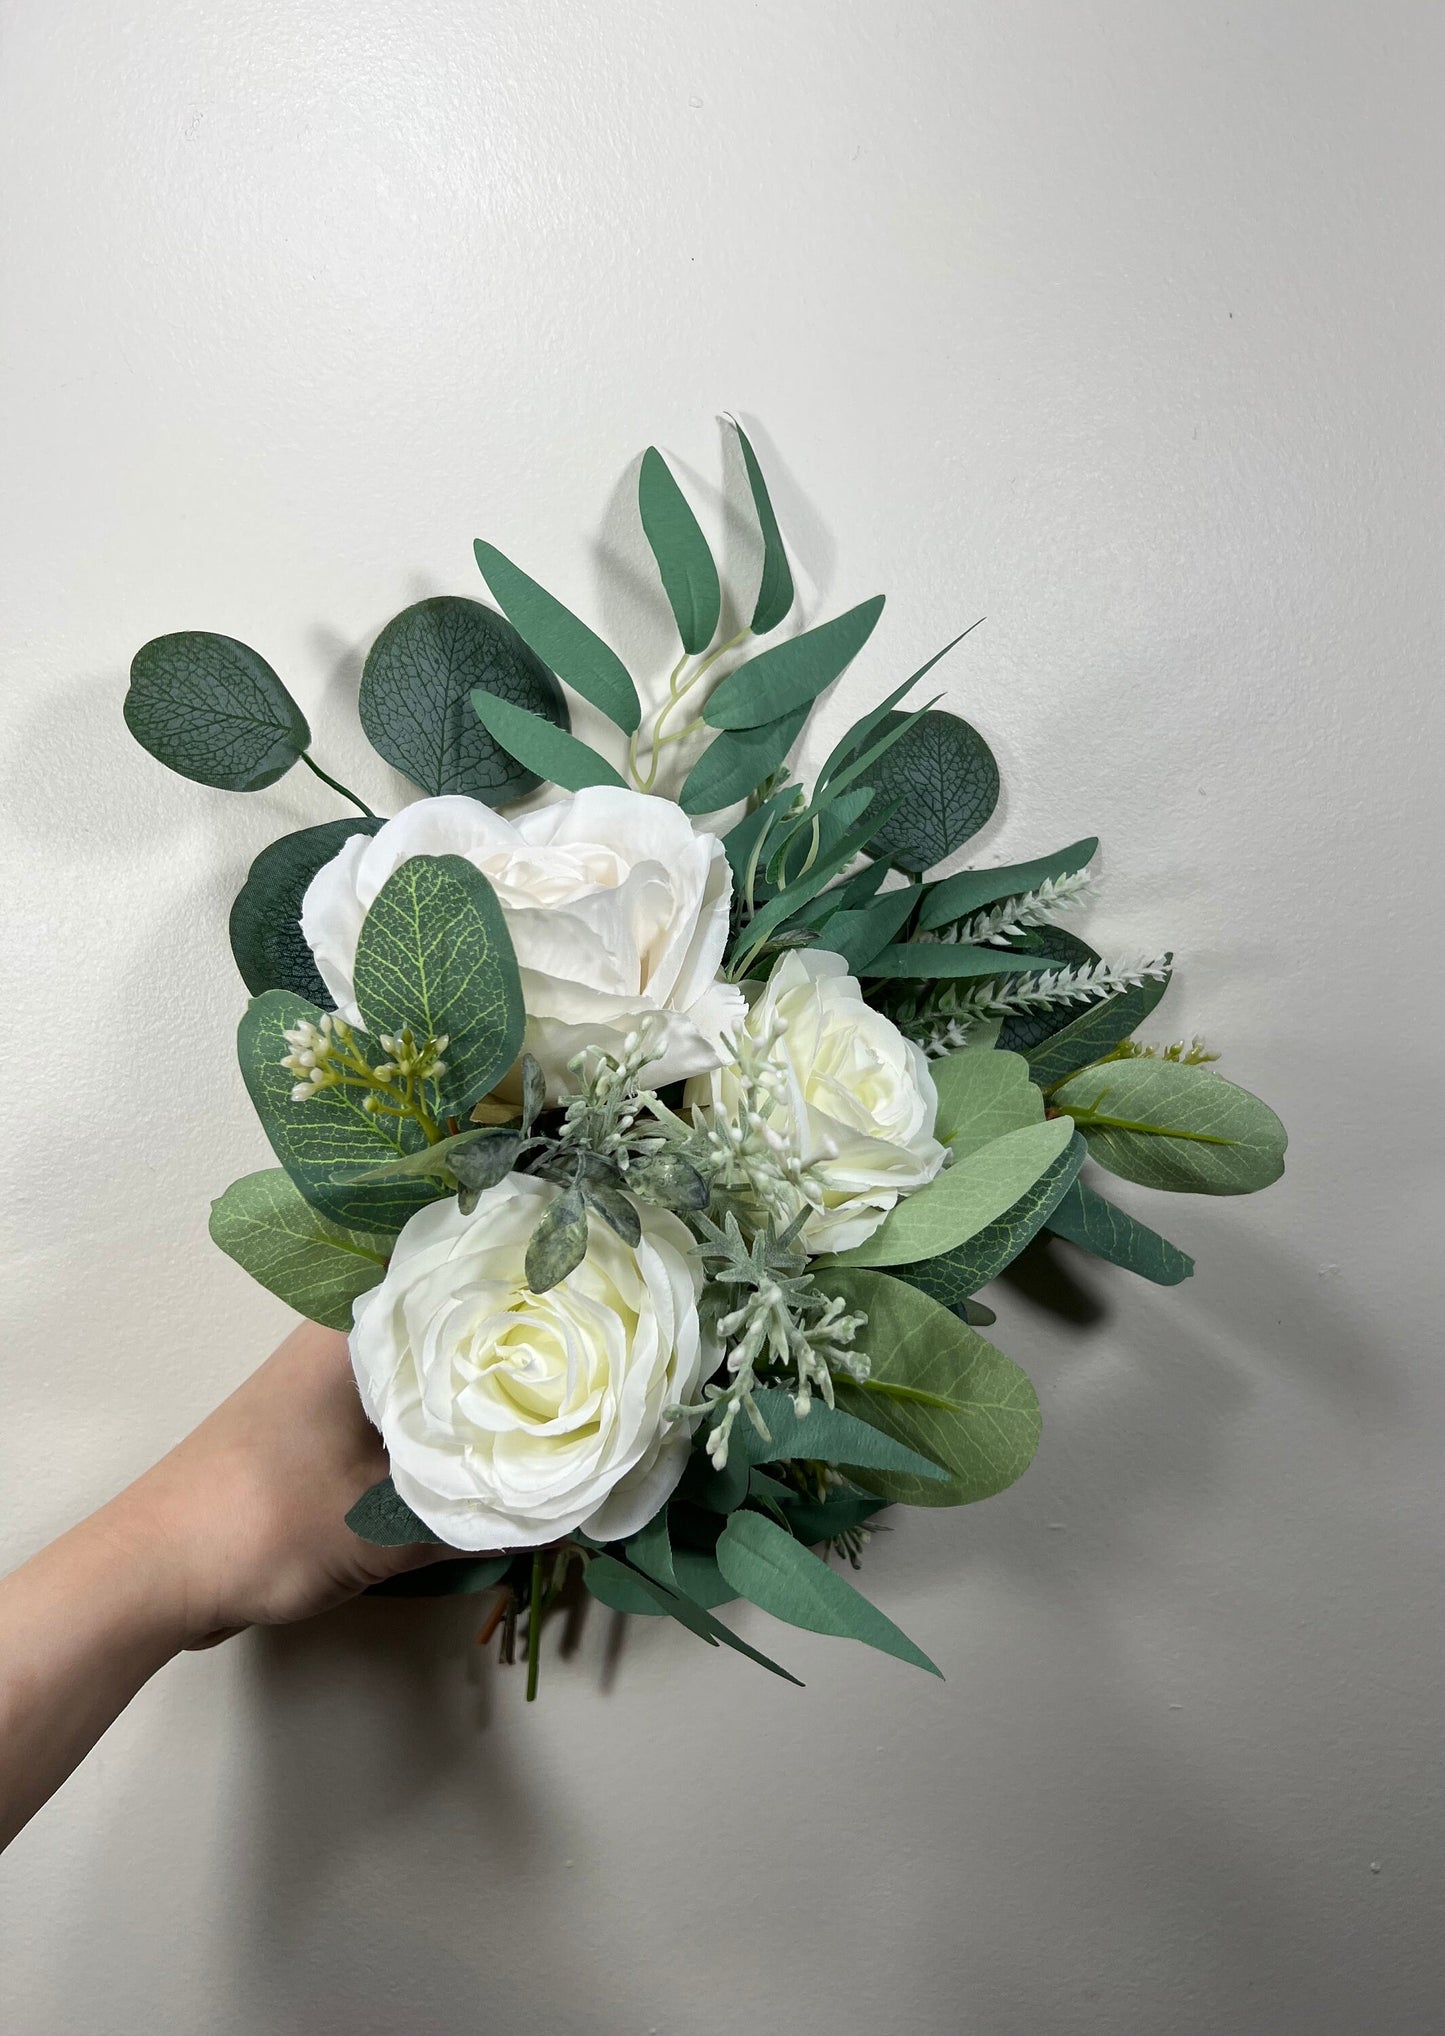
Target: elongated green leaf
point(382, 1517)
point(318, 1268)
point(450, 1578)
point(559, 1243)
point(985, 1431)
point(271, 951)
point(766, 1565)
point(627, 1591)
point(824, 1435)
point(775, 588)
point(960, 896)
point(792, 674)
point(805, 888)
point(788, 847)
point(560, 758)
point(981, 1096)
point(955, 1276)
point(850, 745)
point(1095, 1032)
point(1085, 1218)
point(434, 953)
point(328, 1135)
point(973, 1192)
point(861, 934)
point(689, 577)
point(945, 776)
point(700, 1579)
point(942, 961)
point(1167, 1125)
point(735, 764)
point(213, 710)
point(415, 699)
point(842, 1512)
point(563, 642)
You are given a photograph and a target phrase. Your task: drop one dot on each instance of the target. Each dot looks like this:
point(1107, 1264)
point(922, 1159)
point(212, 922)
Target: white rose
point(854, 1098)
point(511, 1417)
point(616, 908)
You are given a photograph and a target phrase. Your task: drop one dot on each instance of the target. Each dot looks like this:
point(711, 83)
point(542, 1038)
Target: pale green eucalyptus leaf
point(1168, 1125)
point(824, 1435)
point(315, 1266)
point(955, 1276)
point(981, 1097)
point(972, 1193)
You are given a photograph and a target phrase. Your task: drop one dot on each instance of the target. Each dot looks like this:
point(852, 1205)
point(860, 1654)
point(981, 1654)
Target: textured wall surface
point(1117, 323)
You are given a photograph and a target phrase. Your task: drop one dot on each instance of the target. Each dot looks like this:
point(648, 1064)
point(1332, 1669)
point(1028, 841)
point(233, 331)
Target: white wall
point(1119, 323)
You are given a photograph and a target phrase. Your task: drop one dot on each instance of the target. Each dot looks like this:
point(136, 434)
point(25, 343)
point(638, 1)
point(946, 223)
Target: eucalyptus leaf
point(482, 1162)
point(943, 961)
point(975, 1313)
point(1085, 1218)
point(953, 1277)
point(329, 1136)
point(451, 1578)
point(945, 777)
point(735, 764)
point(415, 698)
point(560, 758)
point(563, 642)
point(1095, 1032)
point(436, 1162)
point(802, 890)
point(700, 1579)
point(824, 1435)
point(559, 1243)
point(766, 1565)
point(1167, 1125)
point(861, 934)
point(669, 1180)
point(213, 710)
point(842, 1512)
point(616, 1210)
point(775, 588)
point(434, 953)
point(271, 951)
point(317, 1267)
point(791, 674)
point(981, 1096)
point(534, 1091)
point(689, 577)
point(860, 735)
point(609, 1588)
point(958, 897)
point(958, 1203)
point(382, 1517)
point(936, 1385)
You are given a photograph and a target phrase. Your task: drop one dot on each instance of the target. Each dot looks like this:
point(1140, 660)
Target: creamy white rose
point(511, 1417)
point(854, 1097)
point(616, 908)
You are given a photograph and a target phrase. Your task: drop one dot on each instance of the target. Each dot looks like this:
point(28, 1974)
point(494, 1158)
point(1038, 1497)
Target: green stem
point(335, 783)
point(534, 1628)
point(914, 1393)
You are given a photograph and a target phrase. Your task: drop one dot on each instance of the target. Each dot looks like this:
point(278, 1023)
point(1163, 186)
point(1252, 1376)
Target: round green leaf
point(416, 691)
point(944, 774)
point(315, 1266)
point(266, 938)
point(213, 710)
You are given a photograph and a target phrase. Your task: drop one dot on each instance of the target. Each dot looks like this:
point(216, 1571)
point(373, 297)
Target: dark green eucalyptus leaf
point(551, 752)
point(857, 740)
point(689, 577)
point(954, 1276)
point(563, 642)
point(791, 674)
point(1026, 1029)
point(434, 953)
point(944, 775)
point(1085, 1218)
point(383, 1518)
point(1096, 1031)
point(317, 1267)
point(415, 700)
point(451, 1578)
point(329, 1136)
point(271, 951)
point(943, 961)
point(975, 1314)
point(735, 764)
point(958, 897)
point(825, 1435)
point(669, 1180)
point(775, 588)
point(615, 1209)
point(603, 1580)
point(559, 1242)
point(213, 710)
point(766, 1565)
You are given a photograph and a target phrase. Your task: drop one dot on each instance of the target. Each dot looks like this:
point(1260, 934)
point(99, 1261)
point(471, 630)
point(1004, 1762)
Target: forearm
point(85, 1622)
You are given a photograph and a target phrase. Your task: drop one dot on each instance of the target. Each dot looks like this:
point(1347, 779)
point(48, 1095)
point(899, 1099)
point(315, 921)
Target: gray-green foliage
point(266, 938)
point(938, 1387)
point(982, 1096)
point(1168, 1125)
point(1085, 1218)
point(315, 1266)
point(764, 1564)
point(416, 689)
point(321, 1140)
point(954, 1276)
point(213, 710)
point(434, 954)
point(958, 1203)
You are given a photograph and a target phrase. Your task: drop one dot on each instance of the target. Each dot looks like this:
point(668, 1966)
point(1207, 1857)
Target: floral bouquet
point(654, 1150)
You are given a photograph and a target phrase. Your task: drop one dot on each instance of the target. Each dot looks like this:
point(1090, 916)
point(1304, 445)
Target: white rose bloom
point(855, 1098)
point(616, 906)
point(511, 1417)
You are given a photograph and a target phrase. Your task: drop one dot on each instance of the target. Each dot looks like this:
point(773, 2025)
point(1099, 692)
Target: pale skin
point(242, 1524)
